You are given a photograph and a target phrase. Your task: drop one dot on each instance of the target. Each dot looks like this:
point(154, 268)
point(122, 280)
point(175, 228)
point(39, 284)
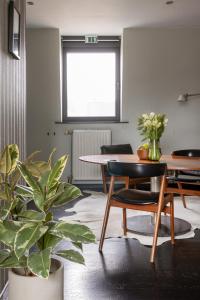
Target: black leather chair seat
point(132, 196)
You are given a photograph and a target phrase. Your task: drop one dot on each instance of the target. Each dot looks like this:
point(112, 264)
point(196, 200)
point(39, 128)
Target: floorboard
point(123, 271)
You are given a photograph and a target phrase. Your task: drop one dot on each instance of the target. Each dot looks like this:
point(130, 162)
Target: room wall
point(12, 91)
point(157, 66)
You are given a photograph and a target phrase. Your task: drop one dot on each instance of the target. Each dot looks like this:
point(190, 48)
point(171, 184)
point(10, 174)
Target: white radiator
point(87, 142)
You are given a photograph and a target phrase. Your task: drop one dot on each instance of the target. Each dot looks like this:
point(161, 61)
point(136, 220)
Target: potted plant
point(31, 236)
point(143, 151)
point(151, 127)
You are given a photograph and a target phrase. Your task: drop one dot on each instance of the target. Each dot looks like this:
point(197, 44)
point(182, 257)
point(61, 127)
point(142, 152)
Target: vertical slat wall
point(12, 91)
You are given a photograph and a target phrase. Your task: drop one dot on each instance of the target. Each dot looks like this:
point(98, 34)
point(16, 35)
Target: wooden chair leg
point(124, 222)
point(105, 222)
point(182, 196)
point(172, 220)
point(104, 180)
point(155, 237)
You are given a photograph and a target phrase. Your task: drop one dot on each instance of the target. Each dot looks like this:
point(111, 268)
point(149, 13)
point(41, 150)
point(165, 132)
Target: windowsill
point(92, 122)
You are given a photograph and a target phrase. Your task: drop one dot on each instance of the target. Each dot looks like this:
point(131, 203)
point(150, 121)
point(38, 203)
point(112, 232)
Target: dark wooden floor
point(123, 272)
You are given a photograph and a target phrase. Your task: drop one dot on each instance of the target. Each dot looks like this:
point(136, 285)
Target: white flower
point(145, 116)
point(165, 122)
point(152, 114)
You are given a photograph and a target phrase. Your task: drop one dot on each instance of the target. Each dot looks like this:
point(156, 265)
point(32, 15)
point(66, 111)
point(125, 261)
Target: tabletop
point(178, 163)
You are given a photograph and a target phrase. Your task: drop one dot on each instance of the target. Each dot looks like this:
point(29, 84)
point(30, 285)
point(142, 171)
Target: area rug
point(90, 211)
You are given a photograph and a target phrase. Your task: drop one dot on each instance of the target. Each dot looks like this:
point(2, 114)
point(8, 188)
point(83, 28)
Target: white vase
point(34, 288)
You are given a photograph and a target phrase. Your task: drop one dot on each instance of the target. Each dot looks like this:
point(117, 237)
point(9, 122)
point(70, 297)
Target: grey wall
point(12, 91)
point(157, 66)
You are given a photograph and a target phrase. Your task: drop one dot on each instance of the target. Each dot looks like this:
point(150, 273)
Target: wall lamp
point(184, 97)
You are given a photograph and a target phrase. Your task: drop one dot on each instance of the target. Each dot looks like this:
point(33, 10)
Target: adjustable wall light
point(184, 97)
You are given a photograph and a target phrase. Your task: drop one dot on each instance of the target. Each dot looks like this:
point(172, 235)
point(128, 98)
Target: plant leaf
point(72, 255)
point(51, 155)
point(38, 168)
point(31, 156)
point(78, 245)
point(13, 262)
point(24, 191)
point(4, 254)
point(8, 230)
point(51, 240)
point(75, 232)
point(6, 208)
point(70, 193)
point(9, 158)
point(30, 180)
point(57, 171)
point(27, 236)
point(32, 215)
point(40, 263)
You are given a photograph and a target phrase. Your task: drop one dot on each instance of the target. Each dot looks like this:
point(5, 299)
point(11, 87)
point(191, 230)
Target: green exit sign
point(91, 39)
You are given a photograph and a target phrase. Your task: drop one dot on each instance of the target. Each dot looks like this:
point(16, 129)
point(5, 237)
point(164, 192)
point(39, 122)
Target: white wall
point(158, 65)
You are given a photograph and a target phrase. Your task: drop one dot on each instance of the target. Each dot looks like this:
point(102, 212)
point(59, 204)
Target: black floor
point(123, 271)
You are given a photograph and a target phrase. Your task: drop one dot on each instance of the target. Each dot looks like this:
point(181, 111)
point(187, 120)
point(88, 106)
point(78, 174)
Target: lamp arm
point(192, 95)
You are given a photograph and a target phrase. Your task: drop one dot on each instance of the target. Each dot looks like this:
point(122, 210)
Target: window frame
point(77, 44)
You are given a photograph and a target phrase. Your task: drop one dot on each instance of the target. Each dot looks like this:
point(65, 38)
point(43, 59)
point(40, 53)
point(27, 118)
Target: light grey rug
point(90, 211)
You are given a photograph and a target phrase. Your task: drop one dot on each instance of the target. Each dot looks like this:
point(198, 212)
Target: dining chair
point(188, 182)
point(116, 149)
point(155, 202)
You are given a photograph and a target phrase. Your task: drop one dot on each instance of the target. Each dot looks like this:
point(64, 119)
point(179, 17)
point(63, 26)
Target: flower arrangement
point(151, 127)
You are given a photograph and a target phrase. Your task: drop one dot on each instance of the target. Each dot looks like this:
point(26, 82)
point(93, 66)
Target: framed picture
point(13, 31)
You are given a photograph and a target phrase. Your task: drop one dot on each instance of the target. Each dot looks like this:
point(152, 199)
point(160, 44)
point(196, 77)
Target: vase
point(154, 150)
point(31, 287)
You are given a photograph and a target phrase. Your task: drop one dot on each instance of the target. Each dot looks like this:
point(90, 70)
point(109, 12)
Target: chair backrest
point(187, 152)
point(136, 170)
point(117, 149)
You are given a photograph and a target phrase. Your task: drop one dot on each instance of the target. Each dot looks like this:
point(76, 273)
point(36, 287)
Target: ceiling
point(109, 17)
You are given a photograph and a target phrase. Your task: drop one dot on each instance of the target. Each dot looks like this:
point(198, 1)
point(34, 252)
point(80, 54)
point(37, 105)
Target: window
point(91, 79)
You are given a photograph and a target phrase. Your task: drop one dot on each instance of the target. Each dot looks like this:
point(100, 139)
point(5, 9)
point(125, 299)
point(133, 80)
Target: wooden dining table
point(144, 224)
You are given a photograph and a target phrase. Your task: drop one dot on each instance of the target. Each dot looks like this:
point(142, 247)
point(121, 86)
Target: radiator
point(87, 142)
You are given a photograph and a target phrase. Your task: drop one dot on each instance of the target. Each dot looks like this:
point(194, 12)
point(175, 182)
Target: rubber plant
point(31, 236)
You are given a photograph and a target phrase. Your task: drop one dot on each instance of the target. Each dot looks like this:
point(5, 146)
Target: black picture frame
point(13, 30)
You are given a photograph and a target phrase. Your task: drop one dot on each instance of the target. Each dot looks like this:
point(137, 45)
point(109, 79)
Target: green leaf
point(70, 193)
point(6, 208)
point(50, 241)
point(57, 171)
point(72, 255)
point(40, 263)
point(27, 236)
point(4, 196)
point(49, 217)
point(75, 232)
point(51, 155)
point(31, 156)
point(32, 215)
point(9, 158)
point(38, 168)
point(30, 180)
point(43, 180)
point(4, 254)
point(8, 230)
point(14, 178)
point(78, 245)
point(13, 262)
point(24, 191)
